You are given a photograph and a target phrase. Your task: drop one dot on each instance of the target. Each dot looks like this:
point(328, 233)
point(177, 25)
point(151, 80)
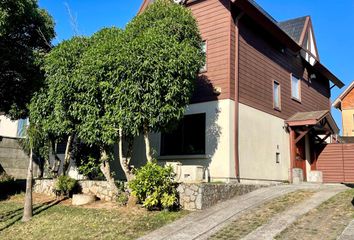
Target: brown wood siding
point(336, 161)
point(214, 21)
point(261, 62)
point(348, 101)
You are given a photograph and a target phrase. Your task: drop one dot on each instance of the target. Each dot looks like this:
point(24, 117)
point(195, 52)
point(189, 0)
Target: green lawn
point(58, 221)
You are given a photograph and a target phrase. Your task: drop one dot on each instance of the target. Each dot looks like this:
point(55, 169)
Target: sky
point(333, 23)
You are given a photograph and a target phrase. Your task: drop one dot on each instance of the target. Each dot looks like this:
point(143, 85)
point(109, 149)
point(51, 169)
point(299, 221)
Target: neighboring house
point(12, 128)
point(345, 103)
point(262, 103)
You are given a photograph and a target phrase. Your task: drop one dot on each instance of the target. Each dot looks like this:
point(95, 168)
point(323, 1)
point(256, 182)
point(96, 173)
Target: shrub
point(5, 178)
point(122, 199)
point(154, 186)
point(64, 185)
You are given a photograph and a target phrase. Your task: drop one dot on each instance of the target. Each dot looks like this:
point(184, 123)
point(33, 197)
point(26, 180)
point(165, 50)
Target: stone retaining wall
point(204, 195)
point(196, 196)
point(101, 189)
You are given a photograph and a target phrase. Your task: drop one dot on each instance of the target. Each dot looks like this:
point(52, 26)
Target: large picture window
point(187, 139)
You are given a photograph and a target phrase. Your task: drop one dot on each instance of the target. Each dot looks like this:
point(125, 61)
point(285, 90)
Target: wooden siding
point(215, 23)
point(261, 62)
point(348, 101)
point(336, 161)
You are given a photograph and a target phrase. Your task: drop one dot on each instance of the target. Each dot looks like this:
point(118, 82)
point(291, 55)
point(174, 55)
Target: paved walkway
point(283, 220)
point(201, 225)
point(348, 232)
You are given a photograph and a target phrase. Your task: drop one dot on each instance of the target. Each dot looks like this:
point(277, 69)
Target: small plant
point(154, 186)
point(122, 199)
point(5, 178)
point(64, 185)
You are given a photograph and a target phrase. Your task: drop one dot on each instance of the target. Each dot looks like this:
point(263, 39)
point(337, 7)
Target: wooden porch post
point(292, 153)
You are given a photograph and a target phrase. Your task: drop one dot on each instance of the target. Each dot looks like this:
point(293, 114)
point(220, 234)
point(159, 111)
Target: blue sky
point(333, 24)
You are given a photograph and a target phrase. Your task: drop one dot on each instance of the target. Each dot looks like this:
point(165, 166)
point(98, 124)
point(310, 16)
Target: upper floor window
point(204, 49)
point(187, 139)
point(276, 95)
point(295, 88)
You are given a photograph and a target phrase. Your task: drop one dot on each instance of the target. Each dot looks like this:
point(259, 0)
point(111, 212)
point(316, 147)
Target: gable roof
point(338, 102)
point(313, 118)
point(285, 32)
point(294, 27)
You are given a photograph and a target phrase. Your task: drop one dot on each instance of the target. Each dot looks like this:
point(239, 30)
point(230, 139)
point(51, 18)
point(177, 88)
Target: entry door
point(300, 160)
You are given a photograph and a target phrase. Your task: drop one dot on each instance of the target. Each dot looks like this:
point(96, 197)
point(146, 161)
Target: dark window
point(187, 139)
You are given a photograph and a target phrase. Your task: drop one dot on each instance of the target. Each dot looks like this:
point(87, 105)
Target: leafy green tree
point(25, 35)
point(53, 107)
point(100, 68)
point(162, 57)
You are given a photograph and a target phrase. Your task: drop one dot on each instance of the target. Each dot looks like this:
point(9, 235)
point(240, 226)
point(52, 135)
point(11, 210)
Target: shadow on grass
point(10, 188)
point(11, 217)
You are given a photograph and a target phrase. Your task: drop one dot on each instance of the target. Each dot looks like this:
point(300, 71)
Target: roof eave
point(265, 22)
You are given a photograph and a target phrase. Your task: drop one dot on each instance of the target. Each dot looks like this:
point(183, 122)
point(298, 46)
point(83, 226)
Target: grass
point(255, 218)
point(58, 221)
point(324, 222)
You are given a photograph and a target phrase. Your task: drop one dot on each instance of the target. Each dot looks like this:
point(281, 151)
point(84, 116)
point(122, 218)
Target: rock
point(82, 199)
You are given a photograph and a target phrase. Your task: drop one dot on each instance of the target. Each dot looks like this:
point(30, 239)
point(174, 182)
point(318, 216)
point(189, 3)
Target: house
point(12, 128)
point(262, 103)
point(345, 103)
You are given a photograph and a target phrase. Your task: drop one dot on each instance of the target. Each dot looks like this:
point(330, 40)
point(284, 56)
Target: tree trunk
point(68, 154)
point(124, 162)
point(106, 170)
point(147, 145)
point(27, 209)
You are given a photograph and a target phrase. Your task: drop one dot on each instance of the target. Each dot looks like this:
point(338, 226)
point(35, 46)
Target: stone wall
point(204, 195)
point(193, 197)
point(100, 189)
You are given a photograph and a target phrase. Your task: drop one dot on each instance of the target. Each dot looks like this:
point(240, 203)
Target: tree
point(100, 68)
point(162, 57)
point(32, 143)
point(25, 35)
point(53, 107)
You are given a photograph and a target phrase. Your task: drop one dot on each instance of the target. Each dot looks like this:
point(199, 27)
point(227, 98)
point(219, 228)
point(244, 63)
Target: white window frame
point(276, 83)
point(298, 97)
point(205, 49)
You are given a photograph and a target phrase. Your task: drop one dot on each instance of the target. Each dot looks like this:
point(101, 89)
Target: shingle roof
point(303, 116)
point(293, 27)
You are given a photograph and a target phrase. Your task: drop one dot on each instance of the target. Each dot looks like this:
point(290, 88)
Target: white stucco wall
point(8, 128)
point(261, 135)
point(219, 146)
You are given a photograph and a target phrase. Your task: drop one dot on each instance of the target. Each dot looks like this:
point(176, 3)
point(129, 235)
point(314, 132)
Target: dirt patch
point(324, 222)
point(259, 216)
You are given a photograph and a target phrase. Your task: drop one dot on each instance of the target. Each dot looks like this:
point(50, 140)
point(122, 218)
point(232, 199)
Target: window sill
point(296, 100)
point(277, 109)
point(183, 157)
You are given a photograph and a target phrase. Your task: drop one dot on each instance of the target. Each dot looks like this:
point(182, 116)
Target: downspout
point(236, 96)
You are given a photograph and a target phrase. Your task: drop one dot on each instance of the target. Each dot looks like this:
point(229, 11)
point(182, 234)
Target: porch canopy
point(318, 122)
point(317, 126)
